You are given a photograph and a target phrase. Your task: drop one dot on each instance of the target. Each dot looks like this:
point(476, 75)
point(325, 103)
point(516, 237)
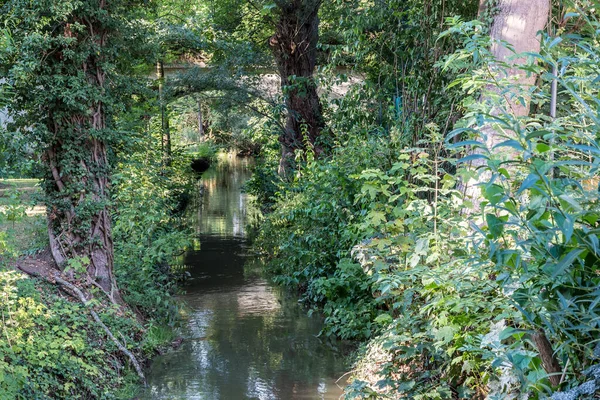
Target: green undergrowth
point(204, 150)
point(310, 233)
point(450, 293)
point(50, 347)
point(150, 233)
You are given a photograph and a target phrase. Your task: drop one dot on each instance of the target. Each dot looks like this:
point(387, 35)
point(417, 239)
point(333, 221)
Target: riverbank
point(54, 346)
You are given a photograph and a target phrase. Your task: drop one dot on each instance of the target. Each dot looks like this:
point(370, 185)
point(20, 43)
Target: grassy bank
point(22, 220)
point(50, 345)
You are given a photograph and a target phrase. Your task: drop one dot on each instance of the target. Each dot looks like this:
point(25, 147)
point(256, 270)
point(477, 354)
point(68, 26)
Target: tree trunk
point(77, 188)
point(164, 115)
point(200, 122)
point(549, 361)
point(294, 46)
point(517, 23)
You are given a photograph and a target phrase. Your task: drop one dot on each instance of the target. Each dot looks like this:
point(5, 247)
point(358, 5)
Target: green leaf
point(542, 147)
point(472, 157)
point(510, 143)
point(566, 262)
point(536, 134)
point(445, 334)
point(493, 193)
point(495, 225)
point(571, 201)
point(528, 182)
point(383, 319)
point(556, 41)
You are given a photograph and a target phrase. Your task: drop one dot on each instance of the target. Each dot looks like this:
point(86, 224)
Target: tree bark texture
point(77, 188)
point(549, 361)
point(164, 115)
point(516, 23)
point(294, 46)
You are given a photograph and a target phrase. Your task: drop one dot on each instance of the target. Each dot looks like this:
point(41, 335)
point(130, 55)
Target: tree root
point(76, 292)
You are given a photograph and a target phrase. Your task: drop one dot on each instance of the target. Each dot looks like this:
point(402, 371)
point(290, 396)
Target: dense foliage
point(453, 290)
point(51, 349)
point(454, 297)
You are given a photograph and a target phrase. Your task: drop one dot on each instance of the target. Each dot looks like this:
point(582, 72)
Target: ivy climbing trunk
point(77, 188)
point(294, 46)
point(67, 89)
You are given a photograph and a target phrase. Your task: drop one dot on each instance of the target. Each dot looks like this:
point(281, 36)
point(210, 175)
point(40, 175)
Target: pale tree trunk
point(294, 46)
point(517, 23)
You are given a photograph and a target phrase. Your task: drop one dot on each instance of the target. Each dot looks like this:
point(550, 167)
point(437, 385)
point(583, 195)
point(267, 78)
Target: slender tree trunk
point(549, 361)
point(77, 188)
point(294, 46)
point(200, 122)
point(164, 115)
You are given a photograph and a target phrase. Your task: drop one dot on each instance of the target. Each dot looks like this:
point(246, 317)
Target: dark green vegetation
point(433, 193)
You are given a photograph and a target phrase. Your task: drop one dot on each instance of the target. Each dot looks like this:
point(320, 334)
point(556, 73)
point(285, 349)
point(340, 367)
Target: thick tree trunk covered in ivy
point(77, 189)
point(294, 46)
point(63, 102)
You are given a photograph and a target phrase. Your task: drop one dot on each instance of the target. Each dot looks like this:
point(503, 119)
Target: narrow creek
point(244, 337)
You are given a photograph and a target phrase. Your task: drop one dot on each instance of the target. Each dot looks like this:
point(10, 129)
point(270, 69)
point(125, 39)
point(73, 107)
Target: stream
point(244, 337)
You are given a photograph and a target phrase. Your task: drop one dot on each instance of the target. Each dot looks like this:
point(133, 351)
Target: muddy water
point(244, 338)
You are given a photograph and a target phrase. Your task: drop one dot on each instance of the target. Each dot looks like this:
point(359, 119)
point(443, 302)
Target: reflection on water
point(245, 339)
point(225, 210)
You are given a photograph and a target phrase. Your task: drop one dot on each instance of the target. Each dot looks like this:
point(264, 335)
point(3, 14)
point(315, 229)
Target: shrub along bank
point(51, 347)
point(453, 298)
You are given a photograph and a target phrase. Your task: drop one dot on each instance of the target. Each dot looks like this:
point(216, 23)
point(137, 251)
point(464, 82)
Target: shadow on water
point(245, 339)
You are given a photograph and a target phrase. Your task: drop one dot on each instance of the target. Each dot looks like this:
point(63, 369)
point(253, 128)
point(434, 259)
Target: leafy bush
point(456, 295)
point(540, 208)
point(150, 232)
point(52, 349)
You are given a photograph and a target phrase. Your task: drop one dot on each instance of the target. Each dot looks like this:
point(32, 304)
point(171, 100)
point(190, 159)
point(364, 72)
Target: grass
point(158, 337)
point(22, 222)
point(27, 188)
point(20, 183)
point(27, 234)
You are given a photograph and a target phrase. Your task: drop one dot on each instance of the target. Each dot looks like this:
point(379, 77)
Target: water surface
point(244, 338)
